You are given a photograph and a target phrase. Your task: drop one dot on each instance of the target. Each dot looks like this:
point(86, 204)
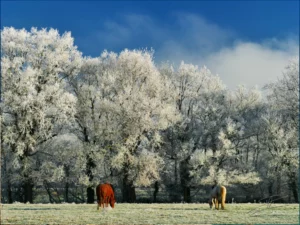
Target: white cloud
point(195, 40)
point(251, 64)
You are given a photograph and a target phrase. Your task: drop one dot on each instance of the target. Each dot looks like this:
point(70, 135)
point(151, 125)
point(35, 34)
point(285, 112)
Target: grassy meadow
point(149, 214)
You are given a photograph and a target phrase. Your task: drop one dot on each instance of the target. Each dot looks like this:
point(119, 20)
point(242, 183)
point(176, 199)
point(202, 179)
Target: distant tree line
point(72, 122)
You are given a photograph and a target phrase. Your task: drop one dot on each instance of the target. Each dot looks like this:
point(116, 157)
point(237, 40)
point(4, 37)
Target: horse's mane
point(107, 184)
point(111, 186)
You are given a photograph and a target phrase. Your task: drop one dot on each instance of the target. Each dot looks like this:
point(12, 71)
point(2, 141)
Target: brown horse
point(105, 194)
point(217, 196)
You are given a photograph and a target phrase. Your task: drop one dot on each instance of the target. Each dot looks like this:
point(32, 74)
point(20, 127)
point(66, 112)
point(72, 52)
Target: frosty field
point(149, 214)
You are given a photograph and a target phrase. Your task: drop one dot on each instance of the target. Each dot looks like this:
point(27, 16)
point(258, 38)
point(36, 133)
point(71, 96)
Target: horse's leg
point(108, 201)
point(216, 203)
point(105, 201)
point(98, 203)
point(102, 202)
point(223, 202)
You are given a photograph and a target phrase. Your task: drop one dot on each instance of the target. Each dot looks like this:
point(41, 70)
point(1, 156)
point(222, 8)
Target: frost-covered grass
point(149, 214)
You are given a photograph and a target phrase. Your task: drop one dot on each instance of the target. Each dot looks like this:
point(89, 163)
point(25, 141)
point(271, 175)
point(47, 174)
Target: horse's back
point(104, 190)
point(218, 191)
point(223, 191)
point(215, 192)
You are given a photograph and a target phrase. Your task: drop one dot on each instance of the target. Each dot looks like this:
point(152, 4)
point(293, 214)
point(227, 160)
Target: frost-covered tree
point(124, 102)
point(278, 164)
point(36, 100)
point(64, 166)
point(70, 121)
point(281, 137)
point(228, 160)
point(283, 95)
point(211, 133)
point(93, 88)
point(145, 107)
point(199, 101)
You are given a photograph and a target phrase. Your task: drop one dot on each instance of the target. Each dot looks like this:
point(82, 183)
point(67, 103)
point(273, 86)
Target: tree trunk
point(27, 184)
point(66, 192)
point(89, 166)
point(128, 191)
point(247, 154)
point(278, 185)
point(90, 190)
point(256, 152)
point(51, 199)
point(173, 190)
point(295, 191)
point(185, 180)
point(289, 196)
point(270, 189)
point(175, 171)
point(66, 195)
point(28, 191)
point(187, 194)
point(20, 194)
point(9, 192)
point(90, 195)
point(155, 191)
point(293, 186)
point(82, 194)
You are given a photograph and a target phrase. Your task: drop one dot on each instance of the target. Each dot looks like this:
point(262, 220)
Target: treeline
point(73, 122)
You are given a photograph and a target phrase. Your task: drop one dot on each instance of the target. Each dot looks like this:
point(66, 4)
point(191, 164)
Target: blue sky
point(245, 42)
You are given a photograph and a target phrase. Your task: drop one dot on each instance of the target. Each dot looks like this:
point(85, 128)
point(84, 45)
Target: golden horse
point(217, 196)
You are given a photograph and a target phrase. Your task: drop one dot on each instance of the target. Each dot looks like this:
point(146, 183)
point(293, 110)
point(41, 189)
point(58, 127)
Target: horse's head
point(112, 202)
point(210, 202)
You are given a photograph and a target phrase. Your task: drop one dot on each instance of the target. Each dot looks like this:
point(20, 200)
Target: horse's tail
point(98, 193)
point(223, 196)
point(223, 193)
point(112, 187)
